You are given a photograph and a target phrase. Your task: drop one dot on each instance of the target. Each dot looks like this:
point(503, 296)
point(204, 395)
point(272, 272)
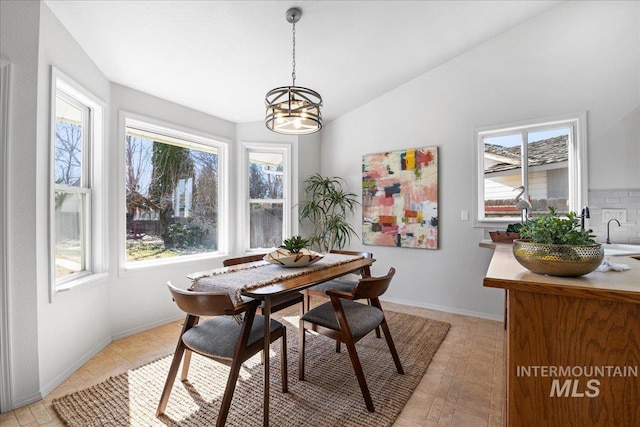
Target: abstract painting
point(400, 198)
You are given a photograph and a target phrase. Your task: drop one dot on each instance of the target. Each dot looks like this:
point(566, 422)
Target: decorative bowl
point(285, 258)
point(558, 260)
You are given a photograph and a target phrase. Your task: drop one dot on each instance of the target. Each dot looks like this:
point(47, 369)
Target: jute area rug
point(329, 396)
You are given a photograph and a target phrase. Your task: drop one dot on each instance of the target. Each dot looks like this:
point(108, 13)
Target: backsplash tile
point(628, 232)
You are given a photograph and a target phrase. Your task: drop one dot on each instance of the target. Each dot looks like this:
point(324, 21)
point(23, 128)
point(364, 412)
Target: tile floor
point(462, 387)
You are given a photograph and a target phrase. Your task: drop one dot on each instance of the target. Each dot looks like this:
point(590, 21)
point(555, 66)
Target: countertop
point(506, 273)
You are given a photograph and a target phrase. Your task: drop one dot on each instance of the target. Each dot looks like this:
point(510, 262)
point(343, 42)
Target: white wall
point(74, 325)
point(19, 29)
point(138, 297)
point(578, 56)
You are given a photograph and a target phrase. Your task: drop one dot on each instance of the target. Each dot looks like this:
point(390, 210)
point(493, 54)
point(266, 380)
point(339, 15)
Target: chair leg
point(301, 347)
point(171, 376)
point(357, 367)
point(238, 357)
point(392, 347)
point(283, 361)
point(185, 365)
point(307, 300)
point(377, 327)
point(228, 392)
point(337, 346)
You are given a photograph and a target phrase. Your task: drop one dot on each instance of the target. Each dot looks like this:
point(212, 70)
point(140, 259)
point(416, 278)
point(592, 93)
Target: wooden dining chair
point(339, 284)
point(279, 303)
point(221, 338)
point(346, 320)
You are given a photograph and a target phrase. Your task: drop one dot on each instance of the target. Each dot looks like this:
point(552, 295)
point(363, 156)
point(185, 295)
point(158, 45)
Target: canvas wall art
point(400, 198)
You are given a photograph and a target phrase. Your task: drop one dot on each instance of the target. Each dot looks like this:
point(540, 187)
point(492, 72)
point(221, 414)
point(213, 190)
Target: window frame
point(245, 202)
point(577, 162)
point(94, 220)
point(194, 139)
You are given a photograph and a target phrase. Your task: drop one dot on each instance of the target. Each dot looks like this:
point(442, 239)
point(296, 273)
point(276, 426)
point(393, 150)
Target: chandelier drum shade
point(293, 110)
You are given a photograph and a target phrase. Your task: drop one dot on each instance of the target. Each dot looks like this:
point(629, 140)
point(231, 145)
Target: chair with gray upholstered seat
point(340, 284)
point(346, 320)
point(287, 300)
point(222, 338)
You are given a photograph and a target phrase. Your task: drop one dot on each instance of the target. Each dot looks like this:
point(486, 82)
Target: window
point(267, 202)
point(541, 162)
point(76, 138)
point(173, 186)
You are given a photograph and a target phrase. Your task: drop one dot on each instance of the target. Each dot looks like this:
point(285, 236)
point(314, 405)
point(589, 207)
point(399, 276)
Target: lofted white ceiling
point(221, 57)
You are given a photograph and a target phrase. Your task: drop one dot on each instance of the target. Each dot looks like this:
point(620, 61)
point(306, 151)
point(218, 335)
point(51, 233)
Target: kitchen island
point(572, 347)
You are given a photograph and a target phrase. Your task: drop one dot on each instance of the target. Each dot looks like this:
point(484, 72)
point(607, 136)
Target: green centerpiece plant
point(553, 229)
point(294, 244)
point(557, 246)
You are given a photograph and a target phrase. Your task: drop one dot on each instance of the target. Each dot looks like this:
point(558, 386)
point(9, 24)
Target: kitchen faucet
point(609, 240)
point(585, 214)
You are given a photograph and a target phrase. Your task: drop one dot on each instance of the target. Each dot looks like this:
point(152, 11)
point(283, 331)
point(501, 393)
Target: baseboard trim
point(146, 327)
point(488, 316)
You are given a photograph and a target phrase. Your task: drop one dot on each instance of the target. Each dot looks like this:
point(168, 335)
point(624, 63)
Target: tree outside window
point(171, 195)
point(266, 202)
point(72, 191)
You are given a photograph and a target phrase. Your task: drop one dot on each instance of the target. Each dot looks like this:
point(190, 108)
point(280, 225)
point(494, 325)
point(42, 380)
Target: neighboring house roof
point(546, 151)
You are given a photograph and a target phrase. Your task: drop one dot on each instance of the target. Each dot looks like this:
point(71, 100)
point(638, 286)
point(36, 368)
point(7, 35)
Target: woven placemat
point(330, 395)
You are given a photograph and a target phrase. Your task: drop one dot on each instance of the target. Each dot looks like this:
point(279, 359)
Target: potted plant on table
point(293, 253)
point(327, 210)
point(554, 245)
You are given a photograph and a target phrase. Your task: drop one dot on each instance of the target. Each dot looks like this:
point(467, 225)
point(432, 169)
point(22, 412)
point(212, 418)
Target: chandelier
point(293, 110)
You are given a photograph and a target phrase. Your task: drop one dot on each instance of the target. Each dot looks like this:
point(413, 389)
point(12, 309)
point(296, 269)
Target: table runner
point(252, 277)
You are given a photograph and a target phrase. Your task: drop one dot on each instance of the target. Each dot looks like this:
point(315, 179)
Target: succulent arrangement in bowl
point(295, 244)
point(293, 253)
point(555, 245)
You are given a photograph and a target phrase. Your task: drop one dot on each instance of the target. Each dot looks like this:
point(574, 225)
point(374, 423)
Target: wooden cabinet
point(572, 355)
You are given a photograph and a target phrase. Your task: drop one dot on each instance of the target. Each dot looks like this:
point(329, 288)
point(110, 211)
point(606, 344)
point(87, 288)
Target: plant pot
point(503, 236)
point(558, 260)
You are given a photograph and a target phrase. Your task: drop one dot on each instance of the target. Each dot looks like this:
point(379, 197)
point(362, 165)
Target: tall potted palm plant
point(327, 207)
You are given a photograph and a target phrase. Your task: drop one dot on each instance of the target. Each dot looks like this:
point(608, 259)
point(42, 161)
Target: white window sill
point(82, 282)
point(141, 266)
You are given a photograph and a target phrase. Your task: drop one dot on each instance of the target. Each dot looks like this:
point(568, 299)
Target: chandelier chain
point(293, 73)
point(293, 110)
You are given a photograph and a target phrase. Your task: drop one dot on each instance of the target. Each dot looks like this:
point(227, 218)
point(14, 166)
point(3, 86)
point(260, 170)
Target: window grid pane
point(68, 143)
point(546, 183)
point(266, 181)
point(171, 197)
point(72, 217)
point(70, 230)
point(265, 225)
point(548, 171)
point(502, 175)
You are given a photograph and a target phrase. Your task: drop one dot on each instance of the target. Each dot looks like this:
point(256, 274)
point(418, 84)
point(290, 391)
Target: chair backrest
point(242, 259)
point(373, 287)
point(362, 254)
point(365, 271)
point(201, 303)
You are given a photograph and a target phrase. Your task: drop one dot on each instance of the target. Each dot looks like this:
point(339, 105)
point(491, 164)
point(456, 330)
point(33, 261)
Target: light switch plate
point(619, 214)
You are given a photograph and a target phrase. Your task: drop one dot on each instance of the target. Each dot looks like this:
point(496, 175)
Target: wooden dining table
point(274, 291)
